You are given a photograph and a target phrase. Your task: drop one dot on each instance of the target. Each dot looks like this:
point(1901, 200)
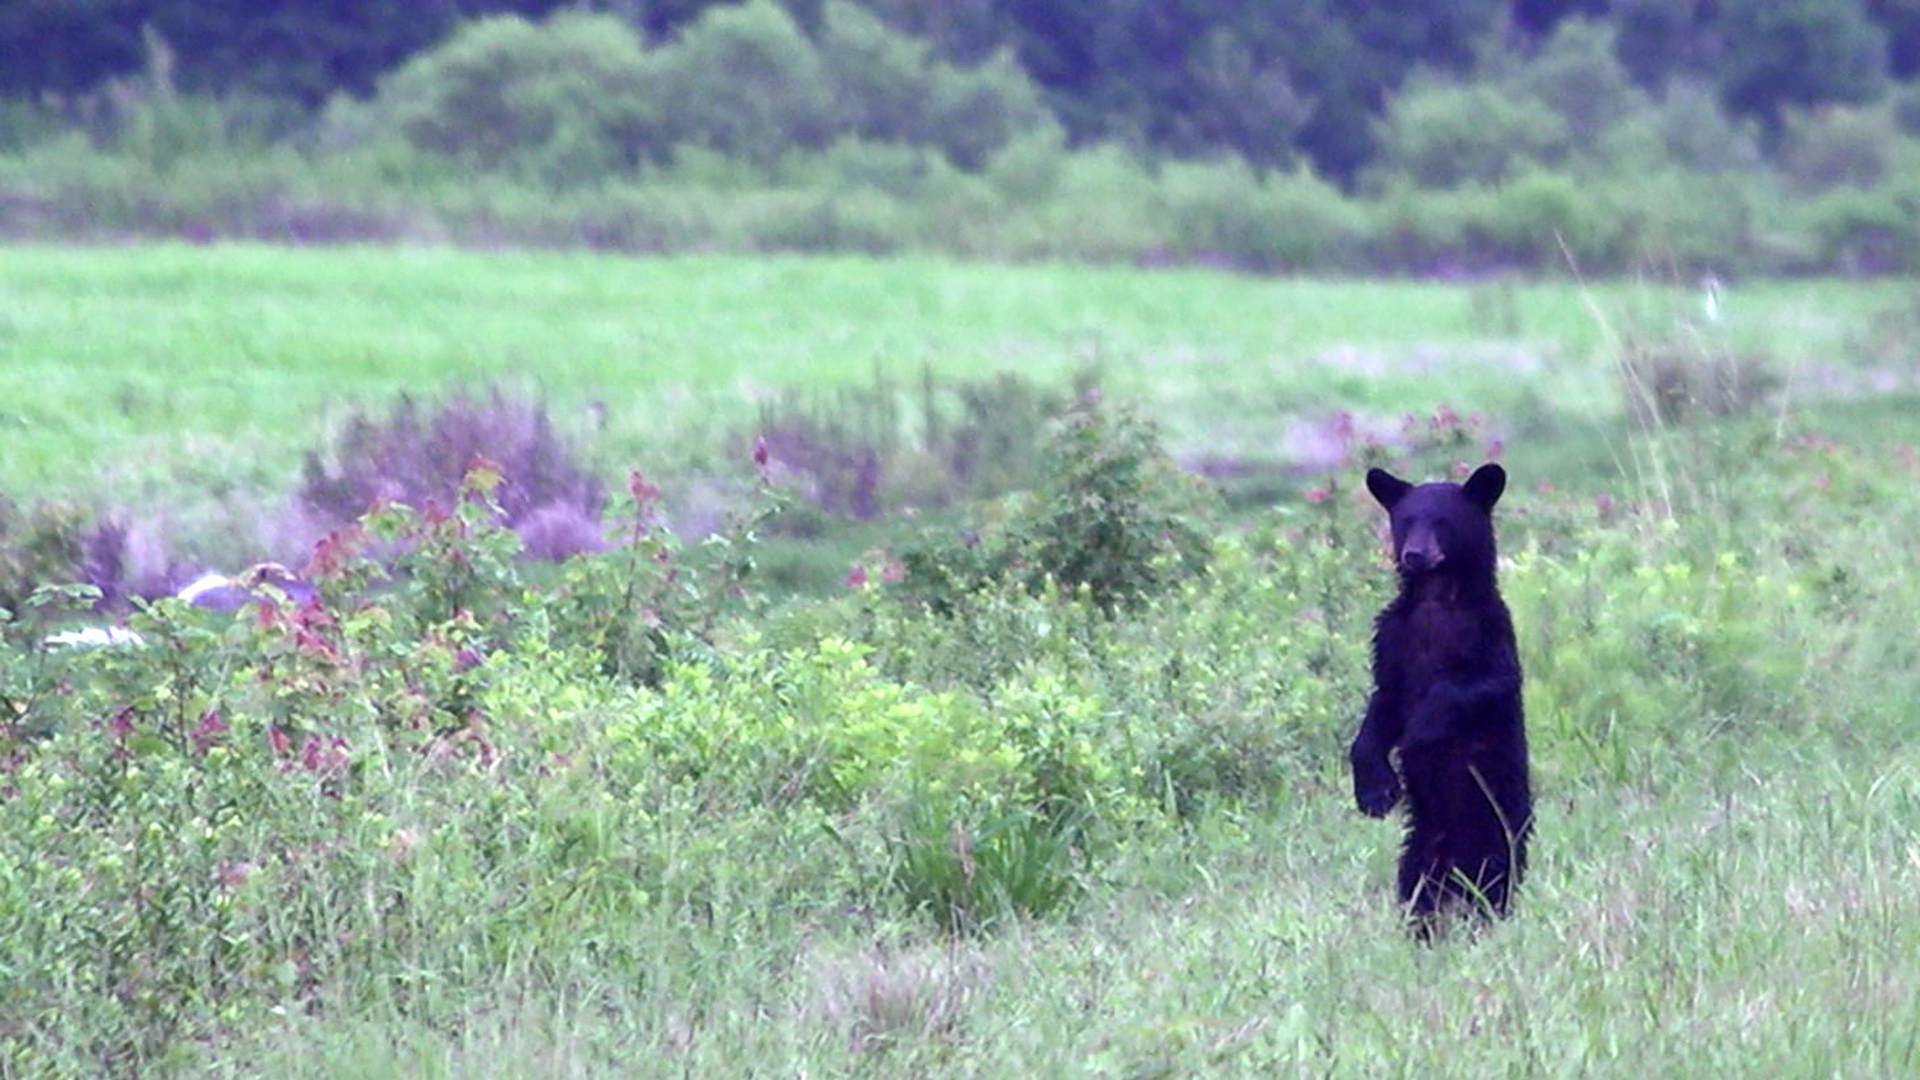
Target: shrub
point(1222, 210)
point(1681, 378)
point(1539, 217)
point(1672, 218)
point(564, 101)
point(1658, 637)
point(861, 451)
point(1028, 168)
point(649, 598)
point(743, 80)
point(1577, 75)
point(1440, 135)
point(1685, 129)
point(889, 87)
point(1114, 519)
point(421, 460)
point(1841, 146)
point(1875, 231)
point(44, 545)
point(969, 867)
point(1116, 516)
point(1102, 208)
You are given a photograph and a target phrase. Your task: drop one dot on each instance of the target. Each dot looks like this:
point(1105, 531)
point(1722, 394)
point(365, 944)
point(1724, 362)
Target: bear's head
point(1441, 528)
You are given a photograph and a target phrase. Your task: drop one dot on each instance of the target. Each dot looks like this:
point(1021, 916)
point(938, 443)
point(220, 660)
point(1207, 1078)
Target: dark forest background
point(1323, 134)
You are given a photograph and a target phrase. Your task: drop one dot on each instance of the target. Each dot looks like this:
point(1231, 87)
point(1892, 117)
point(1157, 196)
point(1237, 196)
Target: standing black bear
point(1447, 696)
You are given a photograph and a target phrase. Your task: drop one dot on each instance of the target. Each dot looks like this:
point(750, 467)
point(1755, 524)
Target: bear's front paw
point(1376, 795)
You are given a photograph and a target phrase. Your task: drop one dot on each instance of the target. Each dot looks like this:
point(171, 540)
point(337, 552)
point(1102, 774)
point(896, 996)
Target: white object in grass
point(95, 637)
point(204, 584)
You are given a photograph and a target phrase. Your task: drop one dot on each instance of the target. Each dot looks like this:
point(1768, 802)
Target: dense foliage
point(443, 768)
point(1330, 136)
point(1262, 81)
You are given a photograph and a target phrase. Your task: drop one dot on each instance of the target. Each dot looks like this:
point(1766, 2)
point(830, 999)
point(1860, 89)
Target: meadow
point(982, 811)
point(128, 369)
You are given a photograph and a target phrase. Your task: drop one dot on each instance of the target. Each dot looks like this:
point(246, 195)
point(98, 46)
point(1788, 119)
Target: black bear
point(1446, 695)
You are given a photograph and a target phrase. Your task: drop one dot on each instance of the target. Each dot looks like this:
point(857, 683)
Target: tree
point(65, 46)
point(746, 82)
point(1577, 75)
point(305, 50)
point(1798, 52)
point(1900, 21)
point(1441, 135)
point(888, 86)
point(564, 102)
point(1659, 39)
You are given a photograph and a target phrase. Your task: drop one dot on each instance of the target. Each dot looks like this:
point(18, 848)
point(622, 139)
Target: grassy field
point(124, 372)
point(445, 828)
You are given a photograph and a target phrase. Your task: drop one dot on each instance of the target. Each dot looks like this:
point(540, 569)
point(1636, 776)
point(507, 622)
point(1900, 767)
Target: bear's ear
point(1485, 485)
point(1386, 487)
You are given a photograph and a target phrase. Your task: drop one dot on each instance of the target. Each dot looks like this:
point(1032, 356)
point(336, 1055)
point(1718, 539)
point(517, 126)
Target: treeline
point(1335, 135)
point(1272, 83)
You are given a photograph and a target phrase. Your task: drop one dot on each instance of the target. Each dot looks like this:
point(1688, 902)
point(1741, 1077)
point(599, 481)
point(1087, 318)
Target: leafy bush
point(1222, 211)
point(1873, 231)
point(1541, 217)
point(744, 81)
point(1440, 135)
point(1840, 146)
point(890, 87)
point(1577, 74)
point(1684, 639)
point(564, 101)
point(648, 599)
point(1684, 130)
point(1115, 518)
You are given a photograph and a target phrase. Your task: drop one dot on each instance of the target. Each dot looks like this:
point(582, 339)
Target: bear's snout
point(1421, 551)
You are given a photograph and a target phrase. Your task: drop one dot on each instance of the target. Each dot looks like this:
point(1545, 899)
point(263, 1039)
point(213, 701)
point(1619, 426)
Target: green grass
point(1745, 925)
point(127, 372)
point(653, 881)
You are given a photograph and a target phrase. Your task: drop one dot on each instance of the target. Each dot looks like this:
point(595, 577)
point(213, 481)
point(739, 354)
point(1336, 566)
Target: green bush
point(1722, 643)
point(1841, 146)
point(1441, 135)
point(1280, 221)
point(1114, 520)
point(1691, 221)
point(1542, 218)
point(1102, 207)
point(1683, 130)
point(890, 87)
point(1577, 75)
point(1872, 231)
point(1116, 517)
point(744, 81)
point(567, 101)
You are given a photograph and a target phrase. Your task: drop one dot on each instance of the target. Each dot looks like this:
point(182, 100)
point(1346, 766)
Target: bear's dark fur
point(1447, 696)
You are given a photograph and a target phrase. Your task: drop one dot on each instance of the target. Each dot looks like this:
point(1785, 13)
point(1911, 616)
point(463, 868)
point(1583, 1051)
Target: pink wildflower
point(210, 730)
